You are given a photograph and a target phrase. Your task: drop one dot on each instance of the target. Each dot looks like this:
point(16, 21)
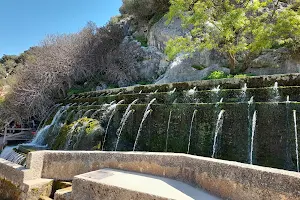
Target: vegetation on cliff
point(240, 29)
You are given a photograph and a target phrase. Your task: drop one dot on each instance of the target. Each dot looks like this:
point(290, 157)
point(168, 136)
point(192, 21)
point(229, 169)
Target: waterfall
point(191, 128)
point(252, 136)
point(123, 121)
point(10, 155)
point(296, 138)
point(146, 113)
point(243, 93)
point(121, 127)
point(217, 130)
point(49, 114)
point(114, 107)
point(250, 127)
point(40, 136)
point(7, 151)
point(172, 91)
point(215, 94)
point(191, 91)
point(275, 93)
point(288, 99)
point(167, 138)
point(216, 89)
point(219, 102)
point(87, 113)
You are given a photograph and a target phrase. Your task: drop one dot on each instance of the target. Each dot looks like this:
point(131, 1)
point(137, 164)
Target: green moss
point(83, 127)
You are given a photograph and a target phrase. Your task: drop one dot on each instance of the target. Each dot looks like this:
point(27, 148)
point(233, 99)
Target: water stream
point(252, 136)
point(275, 93)
point(123, 121)
point(217, 130)
point(146, 113)
point(191, 128)
point(121, 127)
point(40, 136)
point(114, 108)
point(167, 138)
point(296, 138)
point(243, 95)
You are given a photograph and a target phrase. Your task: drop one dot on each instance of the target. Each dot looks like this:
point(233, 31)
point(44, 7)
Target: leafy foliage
point(221, 75)
point(235, 27)
point(217, 75)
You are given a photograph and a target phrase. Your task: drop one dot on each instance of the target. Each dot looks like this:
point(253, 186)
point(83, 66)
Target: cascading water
point(172, 91)
point(219, 102)
point(296, 138)
point(217, 130)
point(191, 91)
point(146, 113)
point(10, 155)
point(40, 137)
point(216, 89)
point(7, 151)
point(252, 136)
point(123, 121)
point(191, 128)
point(243, 95)
point(251, 109)
point(121, 128)
point(215, 94)
point(275, 93)
point(88, 113)
point(50, 113)
point(113, 108)
point(168, 127)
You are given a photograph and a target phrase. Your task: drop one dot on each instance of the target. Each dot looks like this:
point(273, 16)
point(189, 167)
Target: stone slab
point(118, 184)
point(63, 194)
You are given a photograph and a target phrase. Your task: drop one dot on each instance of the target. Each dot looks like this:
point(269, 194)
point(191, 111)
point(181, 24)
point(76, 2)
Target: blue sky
point(24, 23)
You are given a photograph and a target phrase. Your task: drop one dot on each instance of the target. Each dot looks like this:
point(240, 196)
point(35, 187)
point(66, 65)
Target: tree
point(236, 28)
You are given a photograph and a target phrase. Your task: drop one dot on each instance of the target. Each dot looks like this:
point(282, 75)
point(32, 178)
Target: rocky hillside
point(149, 35)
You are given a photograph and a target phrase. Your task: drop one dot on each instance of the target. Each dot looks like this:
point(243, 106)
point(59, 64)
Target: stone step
point(38, 188)
point(117, 184)
point(63, 194)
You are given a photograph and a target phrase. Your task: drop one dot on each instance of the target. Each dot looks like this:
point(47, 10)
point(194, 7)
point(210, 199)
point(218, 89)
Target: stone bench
point(119, 184)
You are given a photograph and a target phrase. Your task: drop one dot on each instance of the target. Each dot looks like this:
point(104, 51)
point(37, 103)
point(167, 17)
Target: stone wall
point(20, 183)
point(223, 178)
point(229, 180)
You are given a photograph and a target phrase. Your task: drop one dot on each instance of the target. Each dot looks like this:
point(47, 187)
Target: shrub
point(217, 75)
point(220, 75)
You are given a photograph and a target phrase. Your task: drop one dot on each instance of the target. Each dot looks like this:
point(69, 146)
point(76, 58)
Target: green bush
point(217, 75)
point(220, 75)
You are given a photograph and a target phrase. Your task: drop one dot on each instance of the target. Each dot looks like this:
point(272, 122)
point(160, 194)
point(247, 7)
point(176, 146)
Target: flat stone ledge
point(117, 184)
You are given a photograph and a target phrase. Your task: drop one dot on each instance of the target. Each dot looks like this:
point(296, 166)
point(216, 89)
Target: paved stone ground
point(159, 187)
